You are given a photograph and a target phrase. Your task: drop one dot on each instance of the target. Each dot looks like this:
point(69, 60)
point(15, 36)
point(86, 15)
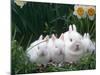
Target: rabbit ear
point(84, 35)
point(41, 37)
point(62, 37)
point(74, 27)
point(53, 37)
point(88, 35)
point(70, 28)
point(46, 38)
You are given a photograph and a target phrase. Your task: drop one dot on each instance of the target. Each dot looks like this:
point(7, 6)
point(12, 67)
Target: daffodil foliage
point(31, 19)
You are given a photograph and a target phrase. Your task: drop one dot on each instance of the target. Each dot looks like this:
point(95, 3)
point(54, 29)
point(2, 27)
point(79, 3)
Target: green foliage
point(34, 19)
point(21, 64)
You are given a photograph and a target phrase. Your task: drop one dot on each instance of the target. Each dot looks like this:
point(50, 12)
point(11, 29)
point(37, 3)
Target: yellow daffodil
point(91, 11)
point(80, 11)
point(20, 3)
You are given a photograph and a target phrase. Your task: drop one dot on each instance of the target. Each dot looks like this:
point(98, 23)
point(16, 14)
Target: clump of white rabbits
point(68, 48)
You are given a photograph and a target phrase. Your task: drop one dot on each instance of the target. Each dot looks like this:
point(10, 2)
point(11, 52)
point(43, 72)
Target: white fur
point(88, 44)
point(33, 52)
point(69, 47)
point(59, 46)
point(72, 54)
point(72, 33)
point(44, 53)
point(36, 49)
point(72, 39)
point(51, 47)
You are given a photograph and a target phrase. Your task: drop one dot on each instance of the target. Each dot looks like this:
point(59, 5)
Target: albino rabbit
point(88, 44)
point(33, 52)
point(74, 48)
point(43, 57)
point(51, 47)
point(60, 46)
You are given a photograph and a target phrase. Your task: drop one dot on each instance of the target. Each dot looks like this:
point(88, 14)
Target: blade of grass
point(29, 41)
point(14, 34)
point(92, 27)
point(21, 40)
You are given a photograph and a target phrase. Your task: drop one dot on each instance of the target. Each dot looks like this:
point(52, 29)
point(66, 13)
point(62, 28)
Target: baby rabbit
point(51, 47)
point(59, 54)
point(43, 57)
point(56, 49)
point(32, 51)
point(89, 45)
point(74, 48)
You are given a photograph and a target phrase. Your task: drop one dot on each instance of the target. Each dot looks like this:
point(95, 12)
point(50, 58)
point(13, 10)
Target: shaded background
point(35, 19)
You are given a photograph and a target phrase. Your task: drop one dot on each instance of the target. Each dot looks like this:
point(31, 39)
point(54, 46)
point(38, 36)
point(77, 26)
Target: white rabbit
point(59, 52)
point(33, 52)
point(89, 45)
point(51, 47)
point(43, 52)
point(74, 48)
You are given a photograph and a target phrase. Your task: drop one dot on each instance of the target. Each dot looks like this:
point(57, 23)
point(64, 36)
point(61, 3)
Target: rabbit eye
point(71, 40)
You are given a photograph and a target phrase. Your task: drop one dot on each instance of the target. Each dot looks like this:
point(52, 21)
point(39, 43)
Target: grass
point(21, 64)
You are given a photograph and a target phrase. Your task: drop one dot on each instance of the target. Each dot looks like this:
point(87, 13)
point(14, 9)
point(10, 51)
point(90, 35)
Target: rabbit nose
point(77, 45)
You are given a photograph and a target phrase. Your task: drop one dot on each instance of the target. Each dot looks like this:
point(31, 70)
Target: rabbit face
point(74, 50)
point(37, 49)
point(51, 46)
point(42, 48)
point(76, 45)
point(59, 44)
point(73, 38)
point(43, 57)
point(32, 52)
